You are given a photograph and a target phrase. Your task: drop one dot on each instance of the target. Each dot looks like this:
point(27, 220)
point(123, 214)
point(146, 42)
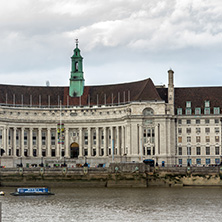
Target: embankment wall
point(116, 175)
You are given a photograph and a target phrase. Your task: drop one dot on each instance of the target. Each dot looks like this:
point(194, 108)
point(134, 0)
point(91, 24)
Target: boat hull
point(31, 194)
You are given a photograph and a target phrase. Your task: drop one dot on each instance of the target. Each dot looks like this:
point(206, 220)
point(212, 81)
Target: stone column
point(140, 141)
point(89, 142)
point(97, 141)
point(105, 141)
point(22, 142)
point(48, 142)
point(14, 141)
point(30, 142)
point(123, 141)
point(80, 143)
point(5, 141)
point(127, 138)
point(57, 145)
point(40, 142)
point(112, 145)
point(118, 140)
point(156, 141)
point(67, 142)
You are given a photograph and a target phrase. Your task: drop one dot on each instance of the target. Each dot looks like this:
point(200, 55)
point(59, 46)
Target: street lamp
point(64, 164)
point(41, 164)
point(21, 165)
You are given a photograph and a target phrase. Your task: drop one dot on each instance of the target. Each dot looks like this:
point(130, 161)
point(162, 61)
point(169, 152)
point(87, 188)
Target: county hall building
point(127, 122)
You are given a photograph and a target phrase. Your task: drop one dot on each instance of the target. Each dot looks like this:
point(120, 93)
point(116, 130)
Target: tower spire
point(77, 43)
point(76, 86)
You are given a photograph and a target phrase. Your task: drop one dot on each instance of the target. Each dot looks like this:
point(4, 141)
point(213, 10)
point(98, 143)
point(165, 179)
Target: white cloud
point(38, 36)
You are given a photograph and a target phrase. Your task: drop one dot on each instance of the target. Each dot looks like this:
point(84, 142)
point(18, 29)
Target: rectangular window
point(188, 121)
point(180, 130)
point(34, 152)
point(207, 103)
point(207, 130)
point(188, 104)
point(188, 151)
point(216, 110)
point(217, 140)
point(208, 150)
point(197, 121)
point(17, 138)
point(179, 121)
point(216, 121)
point(180, 162)
point(0, 137)
point(148, 151)
point(207, 161)
point(198, 130)
point(206, 111)
point(188, 111)
point(180, 150)
point(86, 138)
point(189, 139)
point(188, 130)
point(217, 161)
point(197, 111)
point(43, 138)
point(43, 152)
point(180, 139)
point(102, 137)
point(217, 151)
point(34, 138)
point(198, 151)
point(198, 139)
point(198, 161)
point(53, 136)
point(53, 152)
point(207, 139)
point(207, 121)
point(179, 111)
point(25, 138)
point(94, 138)
point(217, 129)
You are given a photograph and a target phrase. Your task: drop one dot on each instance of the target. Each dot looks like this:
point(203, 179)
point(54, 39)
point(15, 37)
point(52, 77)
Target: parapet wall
point(116, 175)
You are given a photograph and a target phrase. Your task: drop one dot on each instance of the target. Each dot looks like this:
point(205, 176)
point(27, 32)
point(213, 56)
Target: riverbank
point(116, 175)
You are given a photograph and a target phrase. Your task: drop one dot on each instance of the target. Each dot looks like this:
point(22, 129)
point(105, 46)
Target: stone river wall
point(116, 175)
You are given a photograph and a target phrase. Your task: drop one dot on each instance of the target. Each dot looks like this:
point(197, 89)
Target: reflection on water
point(109, 204)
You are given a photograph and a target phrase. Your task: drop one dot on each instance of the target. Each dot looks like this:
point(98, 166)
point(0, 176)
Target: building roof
point(105, 94)
point(197, 96)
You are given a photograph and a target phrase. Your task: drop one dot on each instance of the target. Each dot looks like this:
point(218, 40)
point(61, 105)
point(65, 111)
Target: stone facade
point(113, 123)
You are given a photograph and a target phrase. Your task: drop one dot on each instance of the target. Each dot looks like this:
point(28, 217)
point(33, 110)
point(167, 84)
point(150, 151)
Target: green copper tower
point(76, 86)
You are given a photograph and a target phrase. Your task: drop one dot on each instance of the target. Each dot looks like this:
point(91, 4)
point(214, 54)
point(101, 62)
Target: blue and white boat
point(32, 191)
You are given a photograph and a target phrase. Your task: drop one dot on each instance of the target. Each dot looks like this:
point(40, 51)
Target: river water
point(112, 204)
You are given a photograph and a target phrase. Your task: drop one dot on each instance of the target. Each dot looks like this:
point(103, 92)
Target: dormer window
point(206, 111)
point(188, 111)
point(197, 111)
point(188, 104)
point(179, 111)
point(207, 104)
point(216, 110)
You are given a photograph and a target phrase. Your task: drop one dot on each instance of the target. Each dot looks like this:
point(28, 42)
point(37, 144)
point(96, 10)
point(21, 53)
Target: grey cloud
point(120, 39)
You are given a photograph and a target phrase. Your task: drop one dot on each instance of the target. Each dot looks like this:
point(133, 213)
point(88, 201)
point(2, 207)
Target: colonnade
point(92, 141)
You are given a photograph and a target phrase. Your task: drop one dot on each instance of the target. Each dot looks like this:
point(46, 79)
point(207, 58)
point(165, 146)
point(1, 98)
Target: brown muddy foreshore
point(116, 175)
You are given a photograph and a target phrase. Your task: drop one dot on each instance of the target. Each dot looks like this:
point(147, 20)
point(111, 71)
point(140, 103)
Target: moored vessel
point(32, 191)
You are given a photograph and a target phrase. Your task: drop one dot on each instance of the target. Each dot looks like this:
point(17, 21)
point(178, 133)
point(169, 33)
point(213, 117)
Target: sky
point(120, 41)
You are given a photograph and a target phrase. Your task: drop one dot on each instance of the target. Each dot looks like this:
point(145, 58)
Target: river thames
point(112, 204)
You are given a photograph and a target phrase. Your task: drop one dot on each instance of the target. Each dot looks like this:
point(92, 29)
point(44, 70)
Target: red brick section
point(134, 91)
point(198, 96)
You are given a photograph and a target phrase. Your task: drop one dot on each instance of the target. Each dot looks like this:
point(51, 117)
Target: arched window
point(77, 66)
point(148, 112)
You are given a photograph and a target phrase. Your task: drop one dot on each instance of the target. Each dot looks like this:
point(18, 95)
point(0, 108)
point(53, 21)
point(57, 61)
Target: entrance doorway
point(2, 152)
point(74, 150)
